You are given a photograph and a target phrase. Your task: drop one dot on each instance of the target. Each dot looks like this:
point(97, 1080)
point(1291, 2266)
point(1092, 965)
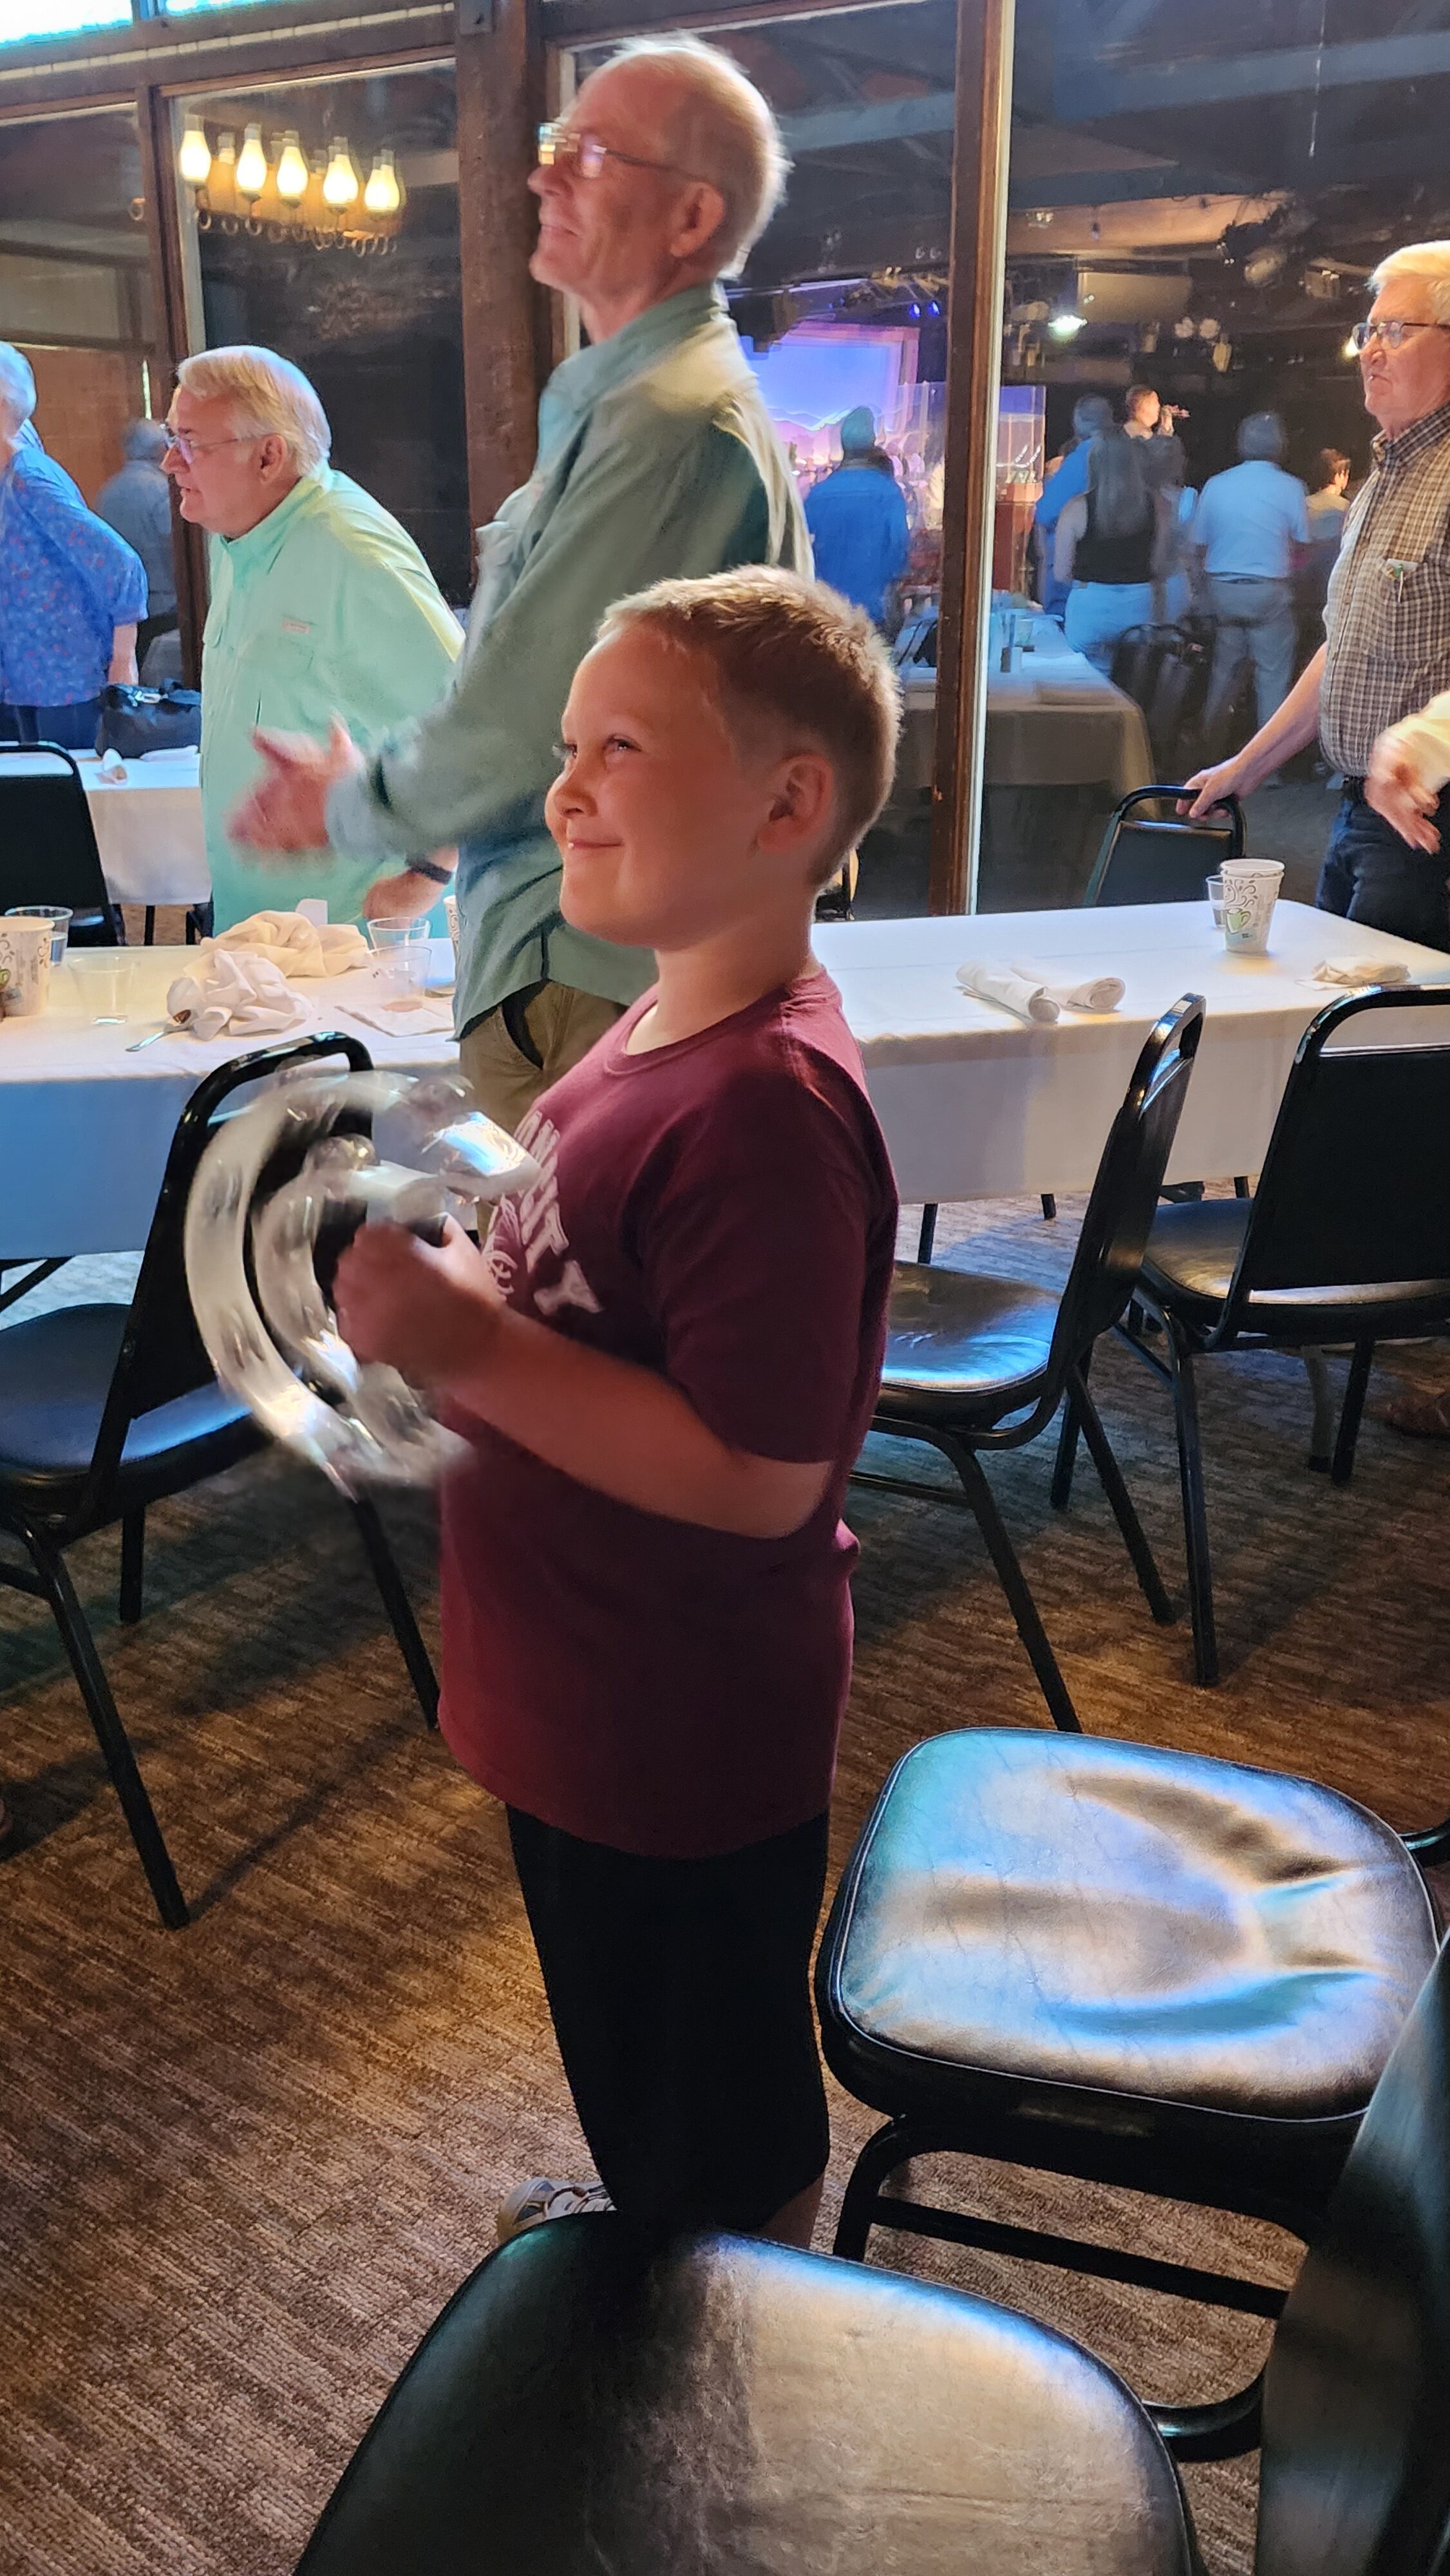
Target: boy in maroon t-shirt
point(665, 1365)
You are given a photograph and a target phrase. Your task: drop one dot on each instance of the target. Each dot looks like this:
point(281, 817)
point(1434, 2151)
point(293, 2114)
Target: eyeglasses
point(1393, 334)
point(561, 147)
point(189, 449)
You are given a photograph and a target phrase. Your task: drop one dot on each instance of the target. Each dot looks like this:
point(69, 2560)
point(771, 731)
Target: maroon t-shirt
point(721, 1211)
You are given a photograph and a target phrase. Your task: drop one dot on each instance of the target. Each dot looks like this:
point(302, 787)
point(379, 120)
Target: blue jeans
point(1099, 614)
point(1371, 875)
point(73, 727)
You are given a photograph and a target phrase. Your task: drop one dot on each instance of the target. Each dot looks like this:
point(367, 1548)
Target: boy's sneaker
point(529, 2204)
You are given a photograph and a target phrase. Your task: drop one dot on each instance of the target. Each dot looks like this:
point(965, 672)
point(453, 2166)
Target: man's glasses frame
point(564, 147)
point(189, 449)
point(1393, 333)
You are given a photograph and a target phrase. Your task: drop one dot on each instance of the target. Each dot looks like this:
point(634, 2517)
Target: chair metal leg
point(133, 1563)
point(877, 2161)
point(1220, 2431)
point(927, 1238)
point(1060, 1492)
point(111, 1735)
point(1349, 1421)
point(1049, 1206)
point(1195, 1511)
point(1241, 1186)
point(1110, 1476)
point(1014, 1583)
point(398, 1607)
point(148, 933)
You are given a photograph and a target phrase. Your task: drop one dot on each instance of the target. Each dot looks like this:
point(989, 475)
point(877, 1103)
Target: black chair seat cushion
point(963, 1347)
point(55, 1375)
point(732, 2405)
point(1193, 1251)
point(1109, 1920)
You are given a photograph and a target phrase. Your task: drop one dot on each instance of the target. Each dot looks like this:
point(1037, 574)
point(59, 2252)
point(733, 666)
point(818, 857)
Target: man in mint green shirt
point(321, 607)
point(656, 457)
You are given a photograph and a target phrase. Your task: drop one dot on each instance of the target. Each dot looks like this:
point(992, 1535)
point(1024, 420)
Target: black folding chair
point(1161, 859)
point(589, 2402)
point(48, 850)
point(1145, 1969)
point(105, 1409)
point(979, 1362)
point(1346, 1239)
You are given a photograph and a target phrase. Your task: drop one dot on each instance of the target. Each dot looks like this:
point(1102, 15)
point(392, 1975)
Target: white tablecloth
point(974, 1103)
point(1052, 721)
point(148, 827)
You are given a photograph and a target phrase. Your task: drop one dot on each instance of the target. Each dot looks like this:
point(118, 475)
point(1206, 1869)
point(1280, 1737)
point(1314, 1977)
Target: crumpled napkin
point(300, 948)
point(243, 995)
point(112, 768)
point(1352, 973)
point(1032, 993)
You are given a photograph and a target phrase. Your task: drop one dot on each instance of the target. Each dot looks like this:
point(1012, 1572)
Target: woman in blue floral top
point(71, 591)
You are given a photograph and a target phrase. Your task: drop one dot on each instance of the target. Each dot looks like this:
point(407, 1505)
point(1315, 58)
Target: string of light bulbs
point(319, 197)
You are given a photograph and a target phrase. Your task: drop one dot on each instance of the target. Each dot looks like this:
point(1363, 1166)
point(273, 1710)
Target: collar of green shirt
point(258, 550)
point(1414, 441)
point(577, 383)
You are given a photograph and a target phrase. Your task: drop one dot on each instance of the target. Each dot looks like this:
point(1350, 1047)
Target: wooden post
point(505, 317)
point(979, 232)
point(173, 343)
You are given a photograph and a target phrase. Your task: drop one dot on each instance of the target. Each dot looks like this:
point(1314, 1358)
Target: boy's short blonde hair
point(788, 653)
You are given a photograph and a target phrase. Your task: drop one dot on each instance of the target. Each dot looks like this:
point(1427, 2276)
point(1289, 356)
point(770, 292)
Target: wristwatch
point(430, 868)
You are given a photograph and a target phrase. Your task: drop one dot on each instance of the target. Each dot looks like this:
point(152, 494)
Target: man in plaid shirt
point(1386, 651)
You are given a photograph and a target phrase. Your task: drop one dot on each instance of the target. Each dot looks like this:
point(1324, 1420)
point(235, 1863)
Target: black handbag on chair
point(135, 721)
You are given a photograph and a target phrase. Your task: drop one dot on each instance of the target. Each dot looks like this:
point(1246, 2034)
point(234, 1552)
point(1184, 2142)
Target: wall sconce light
point(251, 164)
point(292, 172)
point(342, 186)
point(194, 158)
point(383, 194)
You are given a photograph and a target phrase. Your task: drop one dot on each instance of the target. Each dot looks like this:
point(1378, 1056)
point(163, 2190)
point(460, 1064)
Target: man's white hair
point(17, 387)
point(1427, 261)
point(719, 128)
point(266, 393)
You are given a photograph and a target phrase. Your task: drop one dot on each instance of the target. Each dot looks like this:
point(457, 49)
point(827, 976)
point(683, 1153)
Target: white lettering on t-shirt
point(541, 1232)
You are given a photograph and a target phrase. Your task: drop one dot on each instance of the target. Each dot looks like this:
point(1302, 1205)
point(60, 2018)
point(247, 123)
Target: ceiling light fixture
point(1066, 326)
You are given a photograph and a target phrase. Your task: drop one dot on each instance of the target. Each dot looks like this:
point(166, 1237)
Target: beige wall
point(83, 400)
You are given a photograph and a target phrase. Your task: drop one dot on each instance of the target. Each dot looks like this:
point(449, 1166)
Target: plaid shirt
point(1387, 621)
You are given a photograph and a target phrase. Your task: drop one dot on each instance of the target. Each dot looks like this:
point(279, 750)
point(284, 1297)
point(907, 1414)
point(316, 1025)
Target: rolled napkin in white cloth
point(300, 948)
point(241, 995)
point(1019, 994)
point(1086, 993)
point(112, 768)
point(1352, 973)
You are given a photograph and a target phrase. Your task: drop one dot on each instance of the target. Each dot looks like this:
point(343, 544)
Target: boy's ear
point(803, 801)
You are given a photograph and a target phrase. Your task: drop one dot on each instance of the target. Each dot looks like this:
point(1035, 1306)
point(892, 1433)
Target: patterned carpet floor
point(241, 2168)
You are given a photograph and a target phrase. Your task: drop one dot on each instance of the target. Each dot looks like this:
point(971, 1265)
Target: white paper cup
point(24, 965)
point(450, 915)
point(1250, 892)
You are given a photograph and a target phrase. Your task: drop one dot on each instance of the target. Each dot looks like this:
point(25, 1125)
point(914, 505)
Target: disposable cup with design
point(1250, 892)
point(24, 965)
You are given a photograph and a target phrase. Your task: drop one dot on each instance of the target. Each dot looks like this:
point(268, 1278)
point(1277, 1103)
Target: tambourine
point(279, 1191)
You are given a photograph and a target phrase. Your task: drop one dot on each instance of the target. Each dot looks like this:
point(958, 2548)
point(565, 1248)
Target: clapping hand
point(287, 808)
point(427, 1310)
point(1396, 788)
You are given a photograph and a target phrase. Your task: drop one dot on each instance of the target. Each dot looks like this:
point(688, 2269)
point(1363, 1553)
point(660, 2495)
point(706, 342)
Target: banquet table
point(974, 1103)
point(147, 825)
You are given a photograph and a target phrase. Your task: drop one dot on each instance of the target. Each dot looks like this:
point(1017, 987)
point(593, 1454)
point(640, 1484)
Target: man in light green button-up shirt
point(321, 606)
point(656, 458)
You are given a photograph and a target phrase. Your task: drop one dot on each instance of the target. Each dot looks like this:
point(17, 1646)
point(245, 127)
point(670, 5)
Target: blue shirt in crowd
point(1067, 484)
point(857, 520)
point(66, 581)
point(1248, 522)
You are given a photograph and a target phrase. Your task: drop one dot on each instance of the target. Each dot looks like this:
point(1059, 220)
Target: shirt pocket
point(286, 682)
point(1412, 612)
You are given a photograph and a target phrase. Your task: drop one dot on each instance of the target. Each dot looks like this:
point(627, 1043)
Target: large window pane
point(843, 305)
point(365, 302)
point(22, 18)
point(1197, 200)
point(75, 282)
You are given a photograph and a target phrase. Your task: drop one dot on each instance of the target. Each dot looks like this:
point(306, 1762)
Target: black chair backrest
point(48, 850)
point(1124, 1195)
point(1355, 1189)
point(588, 2403)
point(162, 1355)
point(1149, 860)
point(1355, 2479)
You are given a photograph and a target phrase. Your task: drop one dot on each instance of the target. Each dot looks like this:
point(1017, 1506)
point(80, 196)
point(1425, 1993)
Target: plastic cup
point(1250, 892)
point(401, 949)
point(57, 914)
point(108, 990)
point(24, 966)
point(1213, 888)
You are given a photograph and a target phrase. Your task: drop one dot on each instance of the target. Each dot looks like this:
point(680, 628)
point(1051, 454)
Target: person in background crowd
point(1165, 467)
point(137, 504)
point(1145, 416)
point(321, 606)
point(1243, 545)
point(1113, 544)
point(1386, 651)
point(1091, 413)
point(72, 592)
point(657, 458)
point(1325, 510)
point(857, 520)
